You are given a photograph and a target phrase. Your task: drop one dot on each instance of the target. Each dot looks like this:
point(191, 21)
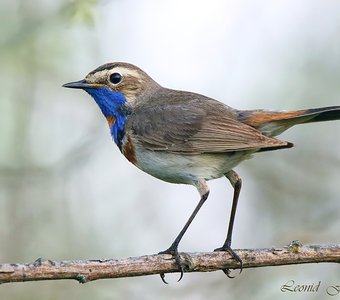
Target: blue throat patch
point(112, 104)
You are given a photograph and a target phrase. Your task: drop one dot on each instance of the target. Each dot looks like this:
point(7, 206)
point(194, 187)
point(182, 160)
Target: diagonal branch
point(88, 270)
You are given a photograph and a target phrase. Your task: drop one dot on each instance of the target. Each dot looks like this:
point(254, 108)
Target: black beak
point(81, 84)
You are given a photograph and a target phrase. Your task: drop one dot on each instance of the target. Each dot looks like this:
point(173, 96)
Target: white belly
point(187, 169)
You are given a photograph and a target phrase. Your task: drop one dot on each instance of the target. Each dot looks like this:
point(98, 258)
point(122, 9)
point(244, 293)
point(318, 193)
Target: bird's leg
point(236, 182)
point(203, 189)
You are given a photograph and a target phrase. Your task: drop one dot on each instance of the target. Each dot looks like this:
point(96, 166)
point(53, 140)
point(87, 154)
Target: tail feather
point(272, 123)
point(330, 113)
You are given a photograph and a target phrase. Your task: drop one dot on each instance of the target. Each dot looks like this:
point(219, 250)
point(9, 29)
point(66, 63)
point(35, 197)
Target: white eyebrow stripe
point(95, 77)
point(125, 71)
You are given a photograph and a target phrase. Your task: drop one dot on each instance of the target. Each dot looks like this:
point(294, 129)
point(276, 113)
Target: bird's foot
point(226, 247)
point(174, 252)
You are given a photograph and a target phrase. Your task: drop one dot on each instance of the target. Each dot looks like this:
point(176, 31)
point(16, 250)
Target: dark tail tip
point(330, 113)
point(288, 145)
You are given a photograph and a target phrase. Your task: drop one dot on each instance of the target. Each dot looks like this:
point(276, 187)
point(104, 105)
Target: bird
point(187, 138)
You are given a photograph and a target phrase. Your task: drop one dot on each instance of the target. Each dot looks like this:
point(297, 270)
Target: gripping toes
point(234, 255)
point(179, 264)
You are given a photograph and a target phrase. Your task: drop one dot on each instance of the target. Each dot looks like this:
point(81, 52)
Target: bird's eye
point(115, 78)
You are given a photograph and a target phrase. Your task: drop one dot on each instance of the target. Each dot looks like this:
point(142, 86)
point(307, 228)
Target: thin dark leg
point(236, 182)
point(173, 249)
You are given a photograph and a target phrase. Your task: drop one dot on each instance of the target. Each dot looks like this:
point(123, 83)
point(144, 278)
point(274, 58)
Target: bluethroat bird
point(184, 137)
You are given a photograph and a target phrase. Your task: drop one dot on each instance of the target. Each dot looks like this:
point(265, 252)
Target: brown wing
point(190, 123)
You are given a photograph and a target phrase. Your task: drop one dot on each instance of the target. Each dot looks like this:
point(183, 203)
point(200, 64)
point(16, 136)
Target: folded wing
point(192, 124)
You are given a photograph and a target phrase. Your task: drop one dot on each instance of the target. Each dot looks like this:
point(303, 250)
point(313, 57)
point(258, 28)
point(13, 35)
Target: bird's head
point(115, 86)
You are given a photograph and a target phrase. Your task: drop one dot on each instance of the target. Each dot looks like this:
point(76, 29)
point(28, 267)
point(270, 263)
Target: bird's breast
point(116, 124)
point(128, 149)
point(111, 120)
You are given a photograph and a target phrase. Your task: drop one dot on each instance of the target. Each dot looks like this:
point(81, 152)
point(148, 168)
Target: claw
point(176, 256)
point(163, 278)
point(234, 255)
point(227, 272)
point(180, 276)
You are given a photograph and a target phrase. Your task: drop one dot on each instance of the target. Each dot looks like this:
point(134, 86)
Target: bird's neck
point(114, 108)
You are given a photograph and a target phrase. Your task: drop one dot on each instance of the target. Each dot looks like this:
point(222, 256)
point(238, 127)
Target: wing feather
point(184, 122)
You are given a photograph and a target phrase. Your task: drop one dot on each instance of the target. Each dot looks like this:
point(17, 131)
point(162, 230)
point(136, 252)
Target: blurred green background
point(67, 193)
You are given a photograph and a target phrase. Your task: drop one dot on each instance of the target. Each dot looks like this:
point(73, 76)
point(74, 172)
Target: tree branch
point(88, 270)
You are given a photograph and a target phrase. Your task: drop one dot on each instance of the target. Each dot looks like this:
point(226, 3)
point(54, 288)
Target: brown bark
point(88, 270)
